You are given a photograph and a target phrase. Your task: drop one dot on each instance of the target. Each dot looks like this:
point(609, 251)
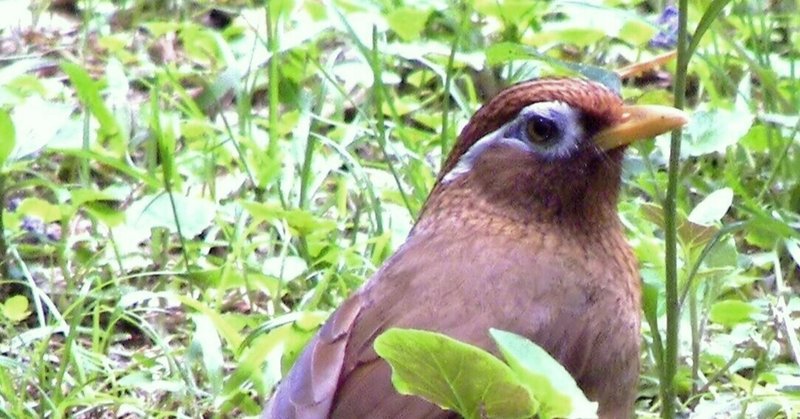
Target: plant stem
point(670, 360)
point(273, 86)
point(465, 13)
point(3, 243)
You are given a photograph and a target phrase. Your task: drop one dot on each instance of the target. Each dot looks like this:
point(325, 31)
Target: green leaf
point(757, 139)
point(793, 247)
point(40, 208)
point(710, 15)
point(206, 345)
point(732, 312)
point(711, 131)
point(636, 32)
point(723, 255)
point(551, 384)
point(33, 131)
point(509, 51)
point(16, 308)
point(511, 12)
point(7, 136)
point(223, 328)
point(454, 375)
point(194, 214)
point(580, 37)
point(299, 220)
point(711, 209)
point(285, 268)
point(407, 22)
point(89, 94)
point(83, 195)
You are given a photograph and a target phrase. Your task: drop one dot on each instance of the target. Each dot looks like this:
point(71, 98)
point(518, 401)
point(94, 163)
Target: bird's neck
point(458, 209)
point(577, 203)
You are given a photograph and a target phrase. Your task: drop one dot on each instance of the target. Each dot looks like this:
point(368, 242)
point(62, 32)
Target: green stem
point(670, 360)
point(448, 81)
point(273, 83)
point(3, 243)
point(379, 96)
point(695, 325)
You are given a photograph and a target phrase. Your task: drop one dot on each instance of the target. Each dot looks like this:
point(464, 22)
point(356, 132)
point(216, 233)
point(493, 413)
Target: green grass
point(182, 205)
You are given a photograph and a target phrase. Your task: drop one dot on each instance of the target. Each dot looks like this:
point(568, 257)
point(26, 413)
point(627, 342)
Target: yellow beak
point(640, 122)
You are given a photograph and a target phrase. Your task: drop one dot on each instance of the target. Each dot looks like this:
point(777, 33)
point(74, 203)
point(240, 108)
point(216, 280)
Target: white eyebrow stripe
point(468, 159)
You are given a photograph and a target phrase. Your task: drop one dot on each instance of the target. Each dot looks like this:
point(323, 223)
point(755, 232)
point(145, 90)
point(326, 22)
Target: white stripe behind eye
point(467, 161)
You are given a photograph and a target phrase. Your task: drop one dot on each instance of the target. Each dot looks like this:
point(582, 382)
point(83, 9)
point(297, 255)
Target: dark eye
point(541, 130)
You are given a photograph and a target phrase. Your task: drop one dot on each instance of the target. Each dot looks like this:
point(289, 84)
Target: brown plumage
point(520, 233)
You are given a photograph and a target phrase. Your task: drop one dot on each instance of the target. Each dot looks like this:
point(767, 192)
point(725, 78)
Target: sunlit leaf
point(193, 214)
point(711, 209)
point(453, 374)
point(710, 131)
point(16, 308)
point(7, 136)
point(732, 312)
point(549, 382)
point(206, 341)
point(408, 22)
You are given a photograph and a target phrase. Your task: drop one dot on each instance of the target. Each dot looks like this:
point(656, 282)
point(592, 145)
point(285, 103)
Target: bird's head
point(547, 150)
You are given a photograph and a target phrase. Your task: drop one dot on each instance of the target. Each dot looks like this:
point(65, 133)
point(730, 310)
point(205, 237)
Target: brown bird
point(520, 233)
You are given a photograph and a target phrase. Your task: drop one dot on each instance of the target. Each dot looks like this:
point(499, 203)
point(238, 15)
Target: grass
point(187, 191)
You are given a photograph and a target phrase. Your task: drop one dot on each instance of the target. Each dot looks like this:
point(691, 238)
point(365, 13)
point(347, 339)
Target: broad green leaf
point(757, 139)
point(214, 93)
point(509, 11)
point(302, 221)
point(33, 131)
point(223, 328)
point(765, 229)
point(193, 214)
point(509, 51)
point(636, 32)
point(453, 375)
point(408, 22)
point(711, 209)
point(580, 37)
point(551, 384)
point(723, 255)
point(284, 268)
point(83, 195)
point(710, 131)
point(732, 312)
point(16, 308)
point(40, 208)
point(205, 340)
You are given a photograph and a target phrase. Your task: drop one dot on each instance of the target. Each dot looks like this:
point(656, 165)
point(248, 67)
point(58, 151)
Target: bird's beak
point(639, 122)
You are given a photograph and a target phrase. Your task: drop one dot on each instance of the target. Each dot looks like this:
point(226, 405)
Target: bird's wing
point(442, 283)
point(308, 390)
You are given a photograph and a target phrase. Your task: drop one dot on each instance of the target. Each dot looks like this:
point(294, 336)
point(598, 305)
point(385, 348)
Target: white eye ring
point(567, 122)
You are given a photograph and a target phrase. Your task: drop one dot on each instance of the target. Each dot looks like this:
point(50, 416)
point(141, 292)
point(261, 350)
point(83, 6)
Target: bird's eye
point(541, 130)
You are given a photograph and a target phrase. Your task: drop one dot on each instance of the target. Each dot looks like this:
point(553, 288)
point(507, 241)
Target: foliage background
point(188, 188)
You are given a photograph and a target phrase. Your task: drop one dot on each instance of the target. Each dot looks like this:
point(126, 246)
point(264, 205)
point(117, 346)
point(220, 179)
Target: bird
point(520, 232)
